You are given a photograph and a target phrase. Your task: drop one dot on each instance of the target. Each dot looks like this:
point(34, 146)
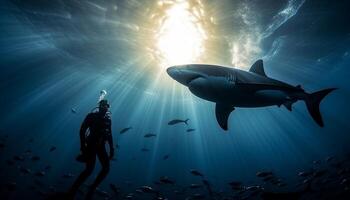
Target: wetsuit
point(99, 125)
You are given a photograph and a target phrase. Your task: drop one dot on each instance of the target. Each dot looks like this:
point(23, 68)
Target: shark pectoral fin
point(222, 112)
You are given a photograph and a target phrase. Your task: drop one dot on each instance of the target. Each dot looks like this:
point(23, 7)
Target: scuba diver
point(99, 125)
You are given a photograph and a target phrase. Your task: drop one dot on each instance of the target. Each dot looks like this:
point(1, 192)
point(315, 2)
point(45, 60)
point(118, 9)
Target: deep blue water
point(59, 55)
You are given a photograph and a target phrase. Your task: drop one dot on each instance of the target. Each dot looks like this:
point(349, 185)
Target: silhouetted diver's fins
point(313, 101)
point(222, 112)
point(258, 68)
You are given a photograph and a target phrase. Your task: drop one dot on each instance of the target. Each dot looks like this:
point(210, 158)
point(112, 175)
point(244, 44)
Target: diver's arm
point(83, 128)
point(110, 142)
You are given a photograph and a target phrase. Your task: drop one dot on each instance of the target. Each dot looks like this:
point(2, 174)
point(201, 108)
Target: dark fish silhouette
point(196, 173)
point(124, 130)
point(166, 157)
point(148, 135)
point(73, 110)
point(28, 151)
point(147, 189)
point(68, 175)
point(329, 158)
point(40, 173)
point(320, 173)
point(264, 174)
point(144, 149)
point(18, 158)
point(177, 121)
point(166, 180)
point(38, 183)
point(53, 148)
point(195, 186)
point(25, 170)
point(190, 130)
point(35, 158)
point(304, 174)
point(10, 162)
point(48, 167)
point(114, 188)
point(102, 193)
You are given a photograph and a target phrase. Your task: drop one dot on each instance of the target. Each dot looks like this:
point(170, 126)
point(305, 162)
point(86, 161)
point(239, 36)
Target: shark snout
point(173, 72)
point(183, 74)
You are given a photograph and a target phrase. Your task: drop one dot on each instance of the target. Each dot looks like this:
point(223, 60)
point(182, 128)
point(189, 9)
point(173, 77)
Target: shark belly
point(220, 90)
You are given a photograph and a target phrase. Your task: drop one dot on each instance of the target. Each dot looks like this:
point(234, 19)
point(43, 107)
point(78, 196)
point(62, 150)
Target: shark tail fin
point(186, 121)
point(313, 101)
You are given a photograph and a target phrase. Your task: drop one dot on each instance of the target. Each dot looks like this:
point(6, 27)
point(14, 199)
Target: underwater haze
point(57, 56)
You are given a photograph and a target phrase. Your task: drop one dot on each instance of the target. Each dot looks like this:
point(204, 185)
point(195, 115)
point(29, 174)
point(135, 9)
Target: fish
point(18, 158)
point(38, 182)
point(35, 158)
point(28, 151)
point(114, 188)
point(177, 121)
point(10, 162)
point(235, 183)
point(320, 173)
point(147, 189)
point(148, 135)
point(165, 157)
point(166, 180)
point(25, 170)
point(68, 175)
point(144, 149)
point(53, 148)
point(47, 167)
point(305, 174)
point(264, 174)
point(124, 130)
point(196, 173)
point(102, 193)
point(190, 130)
point(316, 162)
point(195, 186)
point(73, 110)
point(329, 158)
point(40, 173)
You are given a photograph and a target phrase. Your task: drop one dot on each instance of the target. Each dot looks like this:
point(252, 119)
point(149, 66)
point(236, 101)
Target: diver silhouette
point(99, 125)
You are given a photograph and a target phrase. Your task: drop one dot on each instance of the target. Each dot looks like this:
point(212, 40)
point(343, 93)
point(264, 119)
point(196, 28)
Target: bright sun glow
point(180, 38)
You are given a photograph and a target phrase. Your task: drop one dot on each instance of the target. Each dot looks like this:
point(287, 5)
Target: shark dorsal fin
point(258, 68)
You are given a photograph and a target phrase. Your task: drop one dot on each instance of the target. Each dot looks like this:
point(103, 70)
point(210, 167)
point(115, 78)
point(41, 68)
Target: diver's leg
point(90, 165)
point(104, 159)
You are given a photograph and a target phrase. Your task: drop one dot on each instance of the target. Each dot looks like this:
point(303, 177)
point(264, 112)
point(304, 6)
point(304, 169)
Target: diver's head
point(103, 106)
